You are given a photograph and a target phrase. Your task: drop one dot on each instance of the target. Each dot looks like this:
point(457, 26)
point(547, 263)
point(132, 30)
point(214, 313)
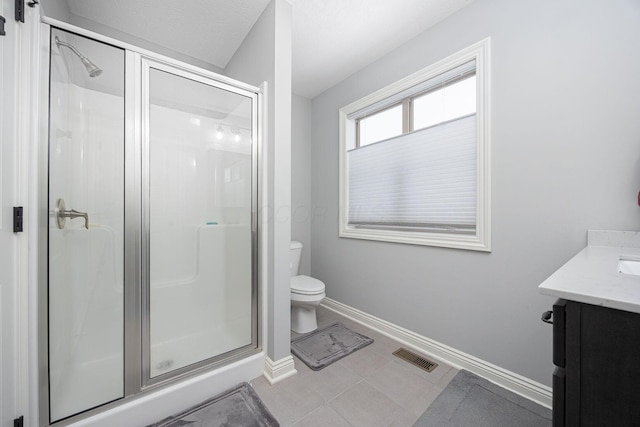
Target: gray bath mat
point(469, 400)
point(321, 348)
point(239, 406)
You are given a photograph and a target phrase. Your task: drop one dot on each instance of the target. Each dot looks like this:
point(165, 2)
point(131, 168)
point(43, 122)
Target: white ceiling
point(332, 39)
point(209, 30)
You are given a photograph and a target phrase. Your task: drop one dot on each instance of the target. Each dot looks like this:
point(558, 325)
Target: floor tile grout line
point(344, 391)
point(327, 403)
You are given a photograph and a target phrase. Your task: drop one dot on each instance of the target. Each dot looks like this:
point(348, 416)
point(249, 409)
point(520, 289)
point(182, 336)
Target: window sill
point(443, 240)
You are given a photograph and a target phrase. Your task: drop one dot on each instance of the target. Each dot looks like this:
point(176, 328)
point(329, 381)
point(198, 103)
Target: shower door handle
point(62, 214)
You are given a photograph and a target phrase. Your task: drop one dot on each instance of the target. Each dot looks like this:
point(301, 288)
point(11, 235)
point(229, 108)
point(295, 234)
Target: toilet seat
point(305, 285)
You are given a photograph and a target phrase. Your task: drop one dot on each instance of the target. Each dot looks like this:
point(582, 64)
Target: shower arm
point(73, 48)
point(92, 69)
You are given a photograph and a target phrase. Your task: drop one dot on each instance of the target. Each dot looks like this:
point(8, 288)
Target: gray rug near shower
point(239, 406)
point(324, 346)
point(469, 400)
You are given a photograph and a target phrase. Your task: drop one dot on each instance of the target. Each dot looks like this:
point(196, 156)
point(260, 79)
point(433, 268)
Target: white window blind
point(424, 180)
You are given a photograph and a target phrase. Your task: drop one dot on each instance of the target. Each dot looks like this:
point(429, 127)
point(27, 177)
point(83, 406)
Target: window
point(379, 126)
point(453, 100)
point(414, 157)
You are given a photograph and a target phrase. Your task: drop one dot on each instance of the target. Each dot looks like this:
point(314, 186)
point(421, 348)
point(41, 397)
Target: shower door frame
point(137, 381)
point(147, 64)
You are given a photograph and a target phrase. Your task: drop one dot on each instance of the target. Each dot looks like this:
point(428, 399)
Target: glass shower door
point(148, 270)
point(199, 242)
point(86, 224)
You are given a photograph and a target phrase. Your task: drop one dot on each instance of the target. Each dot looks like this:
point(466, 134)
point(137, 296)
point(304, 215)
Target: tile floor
point(370, 387)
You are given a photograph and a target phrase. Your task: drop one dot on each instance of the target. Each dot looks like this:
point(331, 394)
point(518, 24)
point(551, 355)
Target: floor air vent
point(415, 359)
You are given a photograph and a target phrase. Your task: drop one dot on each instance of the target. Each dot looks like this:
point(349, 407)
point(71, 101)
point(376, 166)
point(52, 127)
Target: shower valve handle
point(62, 214)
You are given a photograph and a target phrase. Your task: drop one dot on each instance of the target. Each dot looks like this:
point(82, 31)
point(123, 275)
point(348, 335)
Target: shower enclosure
point(150, 239)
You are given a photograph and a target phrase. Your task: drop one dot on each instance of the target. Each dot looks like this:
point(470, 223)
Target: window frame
point(348, 138)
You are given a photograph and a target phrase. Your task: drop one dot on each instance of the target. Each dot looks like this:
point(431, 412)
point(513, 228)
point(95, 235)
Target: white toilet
point(306, 294)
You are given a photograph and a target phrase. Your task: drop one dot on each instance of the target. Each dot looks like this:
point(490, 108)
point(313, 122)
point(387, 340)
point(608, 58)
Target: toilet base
point(303, 318)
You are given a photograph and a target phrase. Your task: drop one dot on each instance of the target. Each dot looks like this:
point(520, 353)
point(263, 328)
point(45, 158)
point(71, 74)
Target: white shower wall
point(200, 205)
point(212, 305)
point(200, 179)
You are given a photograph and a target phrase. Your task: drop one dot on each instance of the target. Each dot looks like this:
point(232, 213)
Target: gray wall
point(265, 55)
point(301, 178)
point(565, 158)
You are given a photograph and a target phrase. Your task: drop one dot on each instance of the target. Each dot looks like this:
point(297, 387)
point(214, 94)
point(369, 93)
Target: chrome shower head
point(92, 69)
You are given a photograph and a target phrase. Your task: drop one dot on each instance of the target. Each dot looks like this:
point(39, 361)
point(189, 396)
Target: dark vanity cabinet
point(596, 351)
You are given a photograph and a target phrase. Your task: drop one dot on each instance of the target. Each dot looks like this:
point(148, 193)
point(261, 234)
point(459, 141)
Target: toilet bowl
point(306, 294)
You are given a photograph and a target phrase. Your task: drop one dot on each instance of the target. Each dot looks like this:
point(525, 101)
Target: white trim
point(279, 370)
point(27, 107)
point(481, 241)
point(263, 206)
point(518, 384)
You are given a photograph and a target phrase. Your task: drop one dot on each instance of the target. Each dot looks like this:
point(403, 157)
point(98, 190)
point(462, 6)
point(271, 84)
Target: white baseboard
point(279, 370)
point(518, 384)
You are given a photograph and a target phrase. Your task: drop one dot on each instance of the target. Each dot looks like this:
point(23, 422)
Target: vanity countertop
point(592, 275)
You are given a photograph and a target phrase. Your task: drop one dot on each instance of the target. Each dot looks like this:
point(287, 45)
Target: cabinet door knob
point(547, 316)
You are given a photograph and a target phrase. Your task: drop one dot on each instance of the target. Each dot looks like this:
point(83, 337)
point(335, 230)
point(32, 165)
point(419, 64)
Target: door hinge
point(18, 422)
point(20, 11)
point(2, 21)
point(17, 219)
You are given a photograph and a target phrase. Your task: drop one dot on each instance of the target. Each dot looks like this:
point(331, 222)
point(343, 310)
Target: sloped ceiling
point(210, 30)
point(331, 39)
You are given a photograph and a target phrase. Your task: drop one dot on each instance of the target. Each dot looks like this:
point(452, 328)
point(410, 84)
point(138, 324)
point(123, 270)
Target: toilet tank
point(295, 253)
